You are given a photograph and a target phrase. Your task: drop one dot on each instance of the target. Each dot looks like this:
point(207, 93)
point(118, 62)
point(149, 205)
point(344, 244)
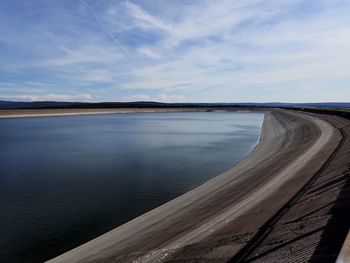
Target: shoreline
point(194, 216)
point(28, 113)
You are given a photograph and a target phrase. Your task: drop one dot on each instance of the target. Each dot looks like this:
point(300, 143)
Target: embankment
point(293, 147)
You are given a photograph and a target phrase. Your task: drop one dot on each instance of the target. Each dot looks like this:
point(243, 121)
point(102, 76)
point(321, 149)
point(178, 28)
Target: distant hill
point(150, 104)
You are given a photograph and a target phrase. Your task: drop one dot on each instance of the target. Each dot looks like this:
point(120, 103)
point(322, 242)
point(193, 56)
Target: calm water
point(65, 180)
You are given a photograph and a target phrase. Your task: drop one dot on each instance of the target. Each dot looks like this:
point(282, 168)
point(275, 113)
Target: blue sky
point(174, 51)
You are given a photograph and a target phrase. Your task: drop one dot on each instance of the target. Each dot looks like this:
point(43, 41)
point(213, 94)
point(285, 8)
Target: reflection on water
point(65, 180)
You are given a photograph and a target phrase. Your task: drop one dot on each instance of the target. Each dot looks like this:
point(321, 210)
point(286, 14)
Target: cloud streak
point(100, 23)
point(50, 97)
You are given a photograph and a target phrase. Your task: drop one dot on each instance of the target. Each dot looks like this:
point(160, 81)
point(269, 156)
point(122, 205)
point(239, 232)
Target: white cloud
point(170, 98)
point(204, 50)
point(136, 97)
point(49, 97)
point(159, 98)
point(87, 54)
point(275, 47)
point(148, 52)
point(144, 19)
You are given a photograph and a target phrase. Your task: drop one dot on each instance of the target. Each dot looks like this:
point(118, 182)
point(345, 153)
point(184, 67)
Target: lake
point(65, 180)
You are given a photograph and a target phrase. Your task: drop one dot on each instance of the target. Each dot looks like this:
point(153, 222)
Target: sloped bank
point(293, 146)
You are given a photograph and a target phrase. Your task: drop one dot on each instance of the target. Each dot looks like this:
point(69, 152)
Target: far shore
point(21, 113)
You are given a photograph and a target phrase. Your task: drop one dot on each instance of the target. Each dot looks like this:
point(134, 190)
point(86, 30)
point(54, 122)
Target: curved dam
point(292, 148)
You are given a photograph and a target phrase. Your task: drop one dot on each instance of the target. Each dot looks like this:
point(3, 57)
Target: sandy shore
point(22, 113)
point(55, 112)
point(290, 143)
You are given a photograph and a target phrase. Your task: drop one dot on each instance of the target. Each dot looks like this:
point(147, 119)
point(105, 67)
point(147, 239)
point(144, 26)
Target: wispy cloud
point(250, 50)
point(86, 55)
point(49, 97)
point(100, 23)
point(159, 97)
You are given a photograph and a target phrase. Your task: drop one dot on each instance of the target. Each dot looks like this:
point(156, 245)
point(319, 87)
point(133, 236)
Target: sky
point(175, 50)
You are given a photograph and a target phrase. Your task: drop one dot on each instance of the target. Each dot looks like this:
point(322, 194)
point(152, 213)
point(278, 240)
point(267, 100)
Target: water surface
point(65, 180)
